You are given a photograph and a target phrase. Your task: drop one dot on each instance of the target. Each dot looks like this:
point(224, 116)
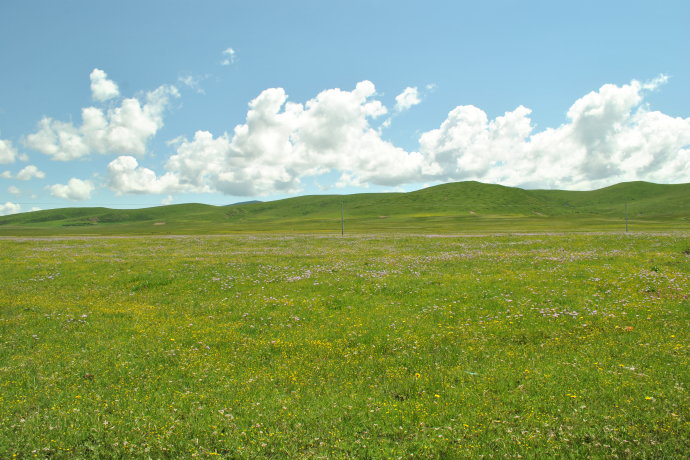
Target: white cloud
point(610, 136)
point(122, 130)
point(76, 190)
point(126, 176)
point(408, 98)
point(283, 141)
point(228, 56)
point(167, 200)
point(102, 89)
point(9, 208)
point(467, 144)
point(35, 208)
point(13, 190)
point(193, 82)
point(8, 154)
point(655, 82)
point(279, 143)
point(30, 172)
point(6, 175)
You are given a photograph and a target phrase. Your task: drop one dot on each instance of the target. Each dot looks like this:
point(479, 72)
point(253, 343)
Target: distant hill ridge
point(468, 204)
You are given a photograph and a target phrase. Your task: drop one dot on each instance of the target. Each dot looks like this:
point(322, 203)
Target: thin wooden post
point(626, 216)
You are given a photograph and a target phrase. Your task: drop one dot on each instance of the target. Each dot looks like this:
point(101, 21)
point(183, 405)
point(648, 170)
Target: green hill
point(452, 207)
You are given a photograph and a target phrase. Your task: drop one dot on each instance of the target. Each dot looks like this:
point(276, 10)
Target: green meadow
point(374, 345)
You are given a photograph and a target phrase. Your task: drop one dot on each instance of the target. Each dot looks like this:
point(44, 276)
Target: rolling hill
point(453, 207)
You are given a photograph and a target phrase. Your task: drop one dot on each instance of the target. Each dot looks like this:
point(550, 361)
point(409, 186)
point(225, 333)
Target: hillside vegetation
point(452, 207)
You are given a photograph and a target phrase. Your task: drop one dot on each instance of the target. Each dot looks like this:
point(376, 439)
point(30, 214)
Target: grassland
point(462, 207)
point(369, 346)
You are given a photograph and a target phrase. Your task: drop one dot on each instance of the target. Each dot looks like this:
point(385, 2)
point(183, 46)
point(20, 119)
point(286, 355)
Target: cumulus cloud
point(8, 154)
point(610, 135)
point(9, 208)
point(75, 190)
point(408, 98)
point(280, 143)
point(123, 130)
point(13, 190)
point(30, 172)
point(228, 56)
point(102, 89)
point(6, 175)
point(126, 176)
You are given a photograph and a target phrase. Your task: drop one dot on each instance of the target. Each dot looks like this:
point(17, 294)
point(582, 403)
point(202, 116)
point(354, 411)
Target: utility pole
point(342, 218)
point(626, 216)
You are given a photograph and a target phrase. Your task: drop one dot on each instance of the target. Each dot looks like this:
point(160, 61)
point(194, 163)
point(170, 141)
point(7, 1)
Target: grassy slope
point(645, 200)
point(460, 206)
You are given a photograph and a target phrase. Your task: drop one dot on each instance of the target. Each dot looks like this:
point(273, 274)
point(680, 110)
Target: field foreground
point(357, 347)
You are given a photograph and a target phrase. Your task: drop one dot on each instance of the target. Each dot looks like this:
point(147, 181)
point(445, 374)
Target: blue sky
point(347, 97)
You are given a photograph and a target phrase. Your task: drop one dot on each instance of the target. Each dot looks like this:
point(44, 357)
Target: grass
point(463, 207)
point(368, 346)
